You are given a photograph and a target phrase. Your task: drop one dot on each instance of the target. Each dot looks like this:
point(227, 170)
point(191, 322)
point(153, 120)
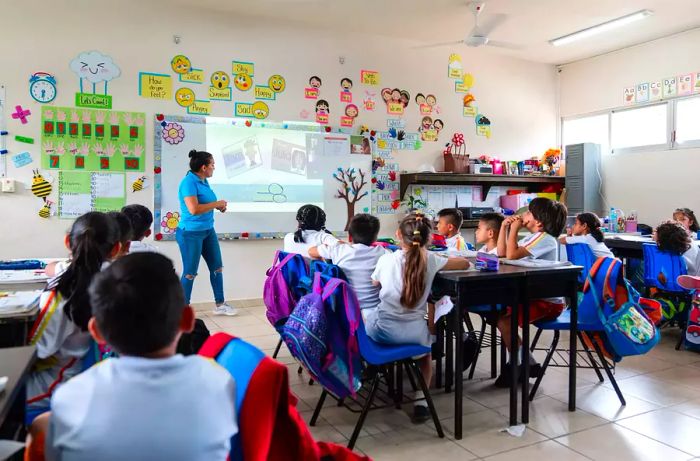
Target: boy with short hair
point(125, 231)
point(358, 258)
point(141, 219)
point(449, 224)
point(486, 233)
point(150, 403)
point(545, 219)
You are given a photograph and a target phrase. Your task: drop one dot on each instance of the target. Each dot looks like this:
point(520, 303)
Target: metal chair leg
point(428, 398)
point(482, 332)
point(277, 349)
point(317, 410)
point(680, 339)
point(550, 353)
point(594, 364)
point(398, 396)
point(411, 381)
point(365, 410)
point(611, 377)
point(536, 338)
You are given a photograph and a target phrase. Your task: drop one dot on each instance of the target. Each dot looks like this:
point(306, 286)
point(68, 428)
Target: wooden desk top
point(505, 271)
point(15, 363)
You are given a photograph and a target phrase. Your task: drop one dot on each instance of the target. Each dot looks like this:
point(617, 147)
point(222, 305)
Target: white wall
point(518, 96)
point(652, 183)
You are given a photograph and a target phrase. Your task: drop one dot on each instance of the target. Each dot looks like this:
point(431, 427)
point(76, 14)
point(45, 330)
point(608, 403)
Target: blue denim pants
point(194, 245)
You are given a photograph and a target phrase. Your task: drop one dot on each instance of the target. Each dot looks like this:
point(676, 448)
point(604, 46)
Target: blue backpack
point(628, 329)
point(320, 333)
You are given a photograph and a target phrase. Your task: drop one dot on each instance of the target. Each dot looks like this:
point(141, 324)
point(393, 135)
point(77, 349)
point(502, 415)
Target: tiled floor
point(660, 421)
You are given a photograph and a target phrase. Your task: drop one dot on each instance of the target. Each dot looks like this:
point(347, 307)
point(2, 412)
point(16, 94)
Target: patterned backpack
point(320, 334)
point(692, 329)
point(282, 288)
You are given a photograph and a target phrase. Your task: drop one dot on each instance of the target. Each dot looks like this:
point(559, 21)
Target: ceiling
point(528, 24)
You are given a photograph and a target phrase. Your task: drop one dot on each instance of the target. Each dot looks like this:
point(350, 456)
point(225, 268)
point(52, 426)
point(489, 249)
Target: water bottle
point(613, 220)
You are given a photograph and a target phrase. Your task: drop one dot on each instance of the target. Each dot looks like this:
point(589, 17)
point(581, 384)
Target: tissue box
point(481, 168)
point(514, 202)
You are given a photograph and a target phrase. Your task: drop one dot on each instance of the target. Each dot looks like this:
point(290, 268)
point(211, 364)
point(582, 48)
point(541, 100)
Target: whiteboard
point(264, 170)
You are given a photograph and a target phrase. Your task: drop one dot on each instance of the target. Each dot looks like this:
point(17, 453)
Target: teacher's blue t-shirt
point(192, 186)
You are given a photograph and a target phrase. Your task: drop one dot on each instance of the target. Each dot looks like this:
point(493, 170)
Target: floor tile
point(405, 443)
point(656, 391)
point(603, 402)
point(690, 408)
point(684, 375)
point(669, 427)
point(547, 450)
point(615, 443)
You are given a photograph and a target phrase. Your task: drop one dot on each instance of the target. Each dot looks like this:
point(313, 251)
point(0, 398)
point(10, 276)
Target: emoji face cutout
point(260, 110)
point(181, 64)
point(346, 84)
point(243, 82)
point(184, 97)
point(351, 110)
point(277, 83)
point(220, 80)
point(315, 82)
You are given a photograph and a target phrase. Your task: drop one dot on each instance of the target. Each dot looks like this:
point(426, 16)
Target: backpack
point(692, 329)
point(190, 343)
point(628, 329)
point(282, 287)
point(320, 333)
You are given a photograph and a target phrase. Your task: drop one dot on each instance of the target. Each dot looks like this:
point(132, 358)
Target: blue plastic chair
point(380, 358)
point(580, 254)
point(588, 322)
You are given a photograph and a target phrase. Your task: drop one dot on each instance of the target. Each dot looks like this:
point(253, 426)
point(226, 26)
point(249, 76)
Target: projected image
point(240, 157)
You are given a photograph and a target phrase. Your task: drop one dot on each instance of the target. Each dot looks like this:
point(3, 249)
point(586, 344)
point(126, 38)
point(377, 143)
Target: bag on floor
point(190, 343)
point(628, 329)
point(320, 334)
point(283, 288)
point(692, 329)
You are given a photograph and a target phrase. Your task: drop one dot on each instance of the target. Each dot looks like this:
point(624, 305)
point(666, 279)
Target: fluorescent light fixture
point(603, 27)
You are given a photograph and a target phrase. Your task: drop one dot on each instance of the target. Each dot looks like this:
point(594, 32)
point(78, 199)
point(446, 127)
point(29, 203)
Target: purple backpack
point(320, 333)
point(282, 289)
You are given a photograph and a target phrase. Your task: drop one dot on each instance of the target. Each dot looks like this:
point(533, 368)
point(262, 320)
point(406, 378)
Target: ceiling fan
point(479, 34)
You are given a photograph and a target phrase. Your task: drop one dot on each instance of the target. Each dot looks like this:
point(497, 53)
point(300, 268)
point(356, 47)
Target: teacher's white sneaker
point(225, 309)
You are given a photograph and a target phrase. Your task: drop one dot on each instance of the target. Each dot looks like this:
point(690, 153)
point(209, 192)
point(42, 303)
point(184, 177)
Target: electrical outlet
point(7, 184)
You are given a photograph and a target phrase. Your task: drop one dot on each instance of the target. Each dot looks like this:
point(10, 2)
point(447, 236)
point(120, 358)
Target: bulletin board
point(265, 171)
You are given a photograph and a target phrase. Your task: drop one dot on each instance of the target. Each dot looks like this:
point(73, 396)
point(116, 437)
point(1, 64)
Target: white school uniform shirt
point(139, 246)
point(541, 245)
point(312, 238)
point(492, 251)
point(357, 262)
point(456, 243)
point(598, 248)
point(176, 409)
point(692, 259)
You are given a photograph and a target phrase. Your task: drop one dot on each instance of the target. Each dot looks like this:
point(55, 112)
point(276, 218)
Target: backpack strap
point(317, 288)
point(593, 271)
point(276, 263)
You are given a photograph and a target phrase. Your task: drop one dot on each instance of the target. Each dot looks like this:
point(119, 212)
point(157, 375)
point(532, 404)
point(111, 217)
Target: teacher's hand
point(221, 205)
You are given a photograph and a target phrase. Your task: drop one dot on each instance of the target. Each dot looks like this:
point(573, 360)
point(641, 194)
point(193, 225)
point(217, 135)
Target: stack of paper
point(12, 302)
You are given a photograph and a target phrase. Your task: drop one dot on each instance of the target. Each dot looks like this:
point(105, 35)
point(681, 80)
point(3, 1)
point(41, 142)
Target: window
point(645, 126)
point(688, 121)
point(593, 129)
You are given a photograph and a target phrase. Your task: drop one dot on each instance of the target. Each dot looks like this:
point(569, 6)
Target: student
point(357, 259)
point(673, 237)
point(686, 217)
point(486, 233)
point(449, 224)
point(311, 231)
point(60, 332)
point(141, 219)
point(405, 278)
point(125, 231)
point(149, 403)
point(545, 219)
point(586, 229)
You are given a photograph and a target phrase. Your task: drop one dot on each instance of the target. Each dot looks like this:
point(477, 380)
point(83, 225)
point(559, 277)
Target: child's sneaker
point(225, 309)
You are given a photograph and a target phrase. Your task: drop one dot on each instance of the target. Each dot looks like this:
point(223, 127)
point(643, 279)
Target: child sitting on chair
point(448, 225)
point(486, 233)
point(311, 231)
point(687, 218)
point(545, 219)
point(141, 219)
point(150, 403)
point(586, 229)
point(673, 237)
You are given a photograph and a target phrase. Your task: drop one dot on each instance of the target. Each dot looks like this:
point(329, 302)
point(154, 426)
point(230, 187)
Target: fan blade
point(435, 45)
point(490, 22)
point(507, 45)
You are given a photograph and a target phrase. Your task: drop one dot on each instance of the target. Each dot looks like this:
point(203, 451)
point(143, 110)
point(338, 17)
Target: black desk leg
point(514, 362)
point(440, 341)
point(459, 332)
point(573, 295)
point(525, 351)
point(449, 357)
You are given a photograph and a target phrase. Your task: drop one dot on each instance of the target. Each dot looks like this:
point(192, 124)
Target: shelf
point(484, 180)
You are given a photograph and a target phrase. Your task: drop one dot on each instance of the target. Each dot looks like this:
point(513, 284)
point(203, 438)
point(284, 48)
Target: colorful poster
point(155, 86)
point(696, 83)
point(193, 76)
point(394, 108)
point(92, 140)
point(655, 91)
point(264, 92)
point(670, 88)
point(258, 110)
point(470, 111)
point(642, 92)
point(369, 77)
point(219, 94)
point(94, 70)
point(346, 121)
point(80, 192)
point(455, 69)
point(311, 93)
point(199, 108)
point(462, 87)
point(242, 67)
point(685, 84)
point(628, 95)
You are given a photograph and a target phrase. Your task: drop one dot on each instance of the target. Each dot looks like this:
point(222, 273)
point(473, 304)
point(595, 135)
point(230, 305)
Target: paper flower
point(170, 222)
point(173, 133)
point(458, 139)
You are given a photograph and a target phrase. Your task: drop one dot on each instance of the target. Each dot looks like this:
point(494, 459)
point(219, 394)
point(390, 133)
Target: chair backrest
point(662, 269)
point(580, 254)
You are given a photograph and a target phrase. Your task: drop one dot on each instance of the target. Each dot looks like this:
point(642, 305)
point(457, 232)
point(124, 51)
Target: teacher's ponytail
point(198, 159)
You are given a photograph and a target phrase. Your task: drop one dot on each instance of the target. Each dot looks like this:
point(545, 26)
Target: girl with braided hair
point(405, 278)
point(311, 231)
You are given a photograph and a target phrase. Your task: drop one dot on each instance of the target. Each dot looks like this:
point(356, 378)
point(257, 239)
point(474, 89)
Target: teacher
point(195, 234)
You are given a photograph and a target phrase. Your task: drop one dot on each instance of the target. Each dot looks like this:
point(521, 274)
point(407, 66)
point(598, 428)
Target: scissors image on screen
point(275, 193)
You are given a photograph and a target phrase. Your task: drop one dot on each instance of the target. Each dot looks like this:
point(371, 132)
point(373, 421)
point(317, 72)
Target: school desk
point(511, 286)
point(18, 310)
point(15, 363)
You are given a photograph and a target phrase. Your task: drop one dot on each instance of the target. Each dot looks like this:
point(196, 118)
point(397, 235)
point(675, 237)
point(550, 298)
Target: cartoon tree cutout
point(352, 182)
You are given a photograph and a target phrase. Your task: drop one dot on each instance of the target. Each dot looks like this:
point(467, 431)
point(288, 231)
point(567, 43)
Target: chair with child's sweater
point(269, 425)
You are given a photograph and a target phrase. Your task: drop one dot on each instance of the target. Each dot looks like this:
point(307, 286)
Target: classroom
point(316, 230)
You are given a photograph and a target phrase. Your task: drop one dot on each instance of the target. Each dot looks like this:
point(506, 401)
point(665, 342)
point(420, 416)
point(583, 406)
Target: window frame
point(691, 143)
point(646, 147)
